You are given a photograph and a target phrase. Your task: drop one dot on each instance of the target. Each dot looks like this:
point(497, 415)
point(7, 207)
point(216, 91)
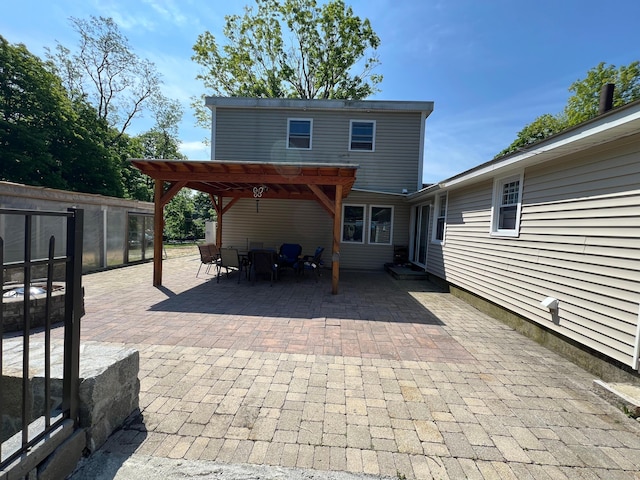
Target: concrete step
point(625, 396)
point(402, 272)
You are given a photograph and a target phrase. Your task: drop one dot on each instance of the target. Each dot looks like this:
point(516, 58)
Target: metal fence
point(26, 421)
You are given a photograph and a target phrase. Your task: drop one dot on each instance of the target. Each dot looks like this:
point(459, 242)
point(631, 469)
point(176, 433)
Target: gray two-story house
point(383, 140)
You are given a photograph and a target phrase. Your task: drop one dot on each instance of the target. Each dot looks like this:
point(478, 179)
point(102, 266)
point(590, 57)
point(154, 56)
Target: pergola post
point(158, 228)
point(335, 257)
point(218, 207)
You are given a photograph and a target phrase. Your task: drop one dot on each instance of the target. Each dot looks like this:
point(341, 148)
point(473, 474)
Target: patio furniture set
point(258, 262)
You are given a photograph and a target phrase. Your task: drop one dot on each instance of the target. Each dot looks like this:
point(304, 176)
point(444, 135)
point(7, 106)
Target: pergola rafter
point(326, 183)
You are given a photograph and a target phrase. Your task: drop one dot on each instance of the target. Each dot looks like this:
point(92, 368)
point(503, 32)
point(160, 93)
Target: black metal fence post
point(73, 312)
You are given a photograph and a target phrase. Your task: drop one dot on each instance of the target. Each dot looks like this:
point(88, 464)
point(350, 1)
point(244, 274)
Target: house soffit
point(238, 179)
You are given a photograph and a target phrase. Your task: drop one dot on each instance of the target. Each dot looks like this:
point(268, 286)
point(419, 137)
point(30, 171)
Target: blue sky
point(490, 66)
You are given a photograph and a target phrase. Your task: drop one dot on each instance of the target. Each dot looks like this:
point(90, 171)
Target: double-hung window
point(507, 205)
point(440, 218)
point(380, 225)
point(362, 135)
point(299, 133)
point(353, 224)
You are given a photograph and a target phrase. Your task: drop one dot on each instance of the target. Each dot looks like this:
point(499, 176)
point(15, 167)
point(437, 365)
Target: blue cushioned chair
point(288, 255)
point(310, 262)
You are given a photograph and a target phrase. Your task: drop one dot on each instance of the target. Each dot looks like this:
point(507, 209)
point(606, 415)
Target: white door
point(420, 234)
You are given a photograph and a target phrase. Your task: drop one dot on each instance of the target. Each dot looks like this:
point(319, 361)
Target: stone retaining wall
point(109, 392)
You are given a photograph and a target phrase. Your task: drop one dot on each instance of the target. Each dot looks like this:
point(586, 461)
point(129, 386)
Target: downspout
point(636, 350)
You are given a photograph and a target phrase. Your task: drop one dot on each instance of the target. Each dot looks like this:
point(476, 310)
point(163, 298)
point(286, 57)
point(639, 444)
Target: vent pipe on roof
point(606, 98)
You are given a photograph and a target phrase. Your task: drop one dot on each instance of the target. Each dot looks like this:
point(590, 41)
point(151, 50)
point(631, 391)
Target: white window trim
point(436, 211)
point(373, 139)
point(498, 184)
point(364, 223)
point(371, 207)
point(310, 120)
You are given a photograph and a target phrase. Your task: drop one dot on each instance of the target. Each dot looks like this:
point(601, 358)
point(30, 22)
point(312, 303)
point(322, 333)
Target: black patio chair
point(263, 263)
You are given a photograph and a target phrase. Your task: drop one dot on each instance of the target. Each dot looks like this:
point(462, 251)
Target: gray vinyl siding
point(261, 135)
point(366, 256)
point(278, 222)
point(306, 223)
point(578, 242)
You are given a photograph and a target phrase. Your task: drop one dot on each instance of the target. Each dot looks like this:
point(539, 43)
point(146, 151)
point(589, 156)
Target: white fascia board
point(314, 104)
point(426, 192)
point(378, 192)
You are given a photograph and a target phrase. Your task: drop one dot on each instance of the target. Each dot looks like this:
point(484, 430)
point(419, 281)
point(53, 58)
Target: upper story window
point(506, 206)
point(381, 225)
point(440, 218)
point(299, 133)
point(362, 135)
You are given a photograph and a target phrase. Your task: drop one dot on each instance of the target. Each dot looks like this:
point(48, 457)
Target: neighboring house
point(559, 220)
point(384, 139)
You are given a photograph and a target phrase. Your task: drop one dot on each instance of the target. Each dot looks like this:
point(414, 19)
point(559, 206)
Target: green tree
point(584, 104)
point(585, 101)
point(88, 164)
point(203, 211)
point(542, 127)
point(106, 72)
point(292, 49)
point(45, 138)
point(179, 216)
point(160, 142)
point(32, 102)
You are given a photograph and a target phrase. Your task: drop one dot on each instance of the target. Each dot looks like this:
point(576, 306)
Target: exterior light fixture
point(550, 303)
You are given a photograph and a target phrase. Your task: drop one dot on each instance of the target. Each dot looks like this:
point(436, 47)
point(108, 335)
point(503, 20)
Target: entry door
point(420, 235)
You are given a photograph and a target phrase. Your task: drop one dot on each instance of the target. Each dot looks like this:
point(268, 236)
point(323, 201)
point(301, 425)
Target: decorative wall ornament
point(257, 194)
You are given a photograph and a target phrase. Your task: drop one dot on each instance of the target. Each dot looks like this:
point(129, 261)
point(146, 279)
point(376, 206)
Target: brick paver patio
point(389, 378)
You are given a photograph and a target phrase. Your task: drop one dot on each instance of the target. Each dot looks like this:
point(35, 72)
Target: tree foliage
point(291, 49)
point(585, 101)
point(105, 71)
point(46, 139)
point(51, 138)
point(584, 104)
point(179, 211)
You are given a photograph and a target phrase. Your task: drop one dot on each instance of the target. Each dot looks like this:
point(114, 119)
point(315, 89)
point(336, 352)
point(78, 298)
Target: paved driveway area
point(387, 378)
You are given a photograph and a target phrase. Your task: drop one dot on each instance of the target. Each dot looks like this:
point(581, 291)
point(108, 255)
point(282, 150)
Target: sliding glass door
point(420, 234)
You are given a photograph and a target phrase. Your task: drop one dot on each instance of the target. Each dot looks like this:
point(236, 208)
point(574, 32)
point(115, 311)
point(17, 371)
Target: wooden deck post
point(218, 207)
point(335, 256)
point(158, 228)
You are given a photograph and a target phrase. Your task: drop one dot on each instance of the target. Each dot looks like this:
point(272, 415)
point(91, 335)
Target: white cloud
point(168, 10)
point(195, 150)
